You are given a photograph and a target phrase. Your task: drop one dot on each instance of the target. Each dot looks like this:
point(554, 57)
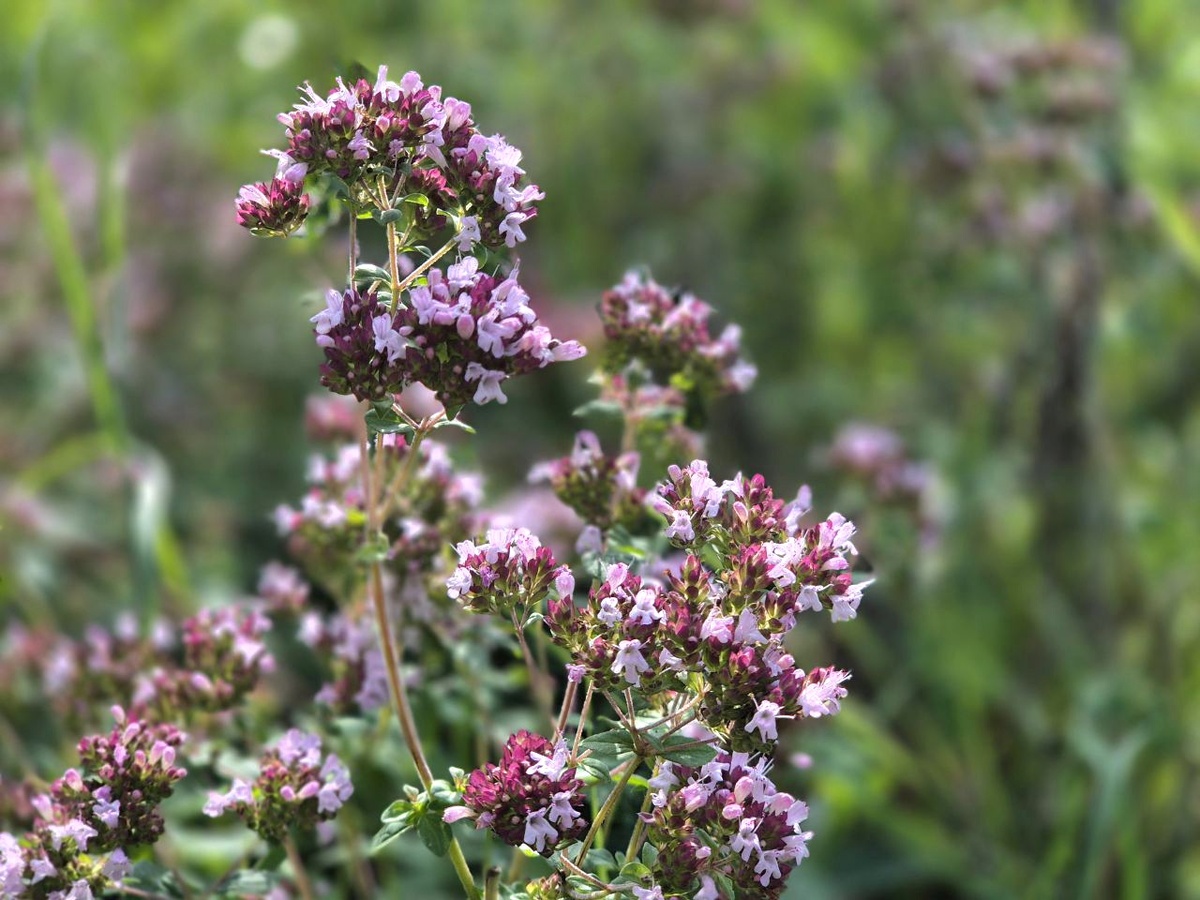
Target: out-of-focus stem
point(537, 677)
point(583, 714)
point(639, 829)
point(303, 884)
point(491, 884)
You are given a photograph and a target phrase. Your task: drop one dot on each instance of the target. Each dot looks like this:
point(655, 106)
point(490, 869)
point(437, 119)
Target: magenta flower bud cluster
point(601, 489)
point(724, 823)
point(533, 797)
point(668, 333)
point(84, 823)
point(405, 134)
point(274, 208)
point(297, 787)
point(509, 573)
point(461, 335)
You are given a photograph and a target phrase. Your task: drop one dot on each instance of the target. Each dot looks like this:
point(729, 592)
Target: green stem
point(639, 829)
point(610, 803)
point(425, 266)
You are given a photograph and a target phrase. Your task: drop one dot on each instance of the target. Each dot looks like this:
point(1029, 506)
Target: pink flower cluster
point(532, 797)
point(724, 823)
point(297, 786)
point(668, 333)
point(722, 617)
point(224, 658)
point(437, 508)
point(461, 335)
point(602, 489)
point(793, 566)
point(509, 573)
point(83, 824)
point(418, 143)
point(351, 649)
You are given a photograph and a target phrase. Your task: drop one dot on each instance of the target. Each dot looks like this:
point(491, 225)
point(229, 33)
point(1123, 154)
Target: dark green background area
point(1022, 720)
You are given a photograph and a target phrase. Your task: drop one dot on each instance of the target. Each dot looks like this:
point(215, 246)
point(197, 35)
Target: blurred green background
point(977, 224)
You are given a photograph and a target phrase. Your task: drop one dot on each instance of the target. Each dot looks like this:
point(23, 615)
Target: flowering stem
point(391, 660)
point(606, 810)
point(298, 871)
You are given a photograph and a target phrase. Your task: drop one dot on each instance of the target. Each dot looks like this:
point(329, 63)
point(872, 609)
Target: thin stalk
point(565, 712)
point(425, 266)
point(516, 866)
point(537, 677)
point(391, 656)
point(610, 803)
point(639, 829)
point(583, 714)
point(303, 884)
point(491, 884)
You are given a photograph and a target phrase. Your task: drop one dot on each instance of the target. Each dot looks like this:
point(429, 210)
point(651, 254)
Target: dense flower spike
point(532, 797)
point(724, 823)
point(420, 145)
point(297, 787)
point(668, 333)
point(224, 658)
point(361, 345)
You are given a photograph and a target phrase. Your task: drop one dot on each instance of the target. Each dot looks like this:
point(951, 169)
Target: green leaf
point(635, 871)
point(154, 879)
point(453, 411)
point(416, 199)
point(388, 833)
point(387, 216)
point(374, 549)
point(599, 407)
point(600, 859)
point(456, 423)
point(614, 737)
point(693, 755)
point(381, 421)
point(397, 810)
point(247, 881)
point(435, 833)
point(365, 273)
point(443, 794)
